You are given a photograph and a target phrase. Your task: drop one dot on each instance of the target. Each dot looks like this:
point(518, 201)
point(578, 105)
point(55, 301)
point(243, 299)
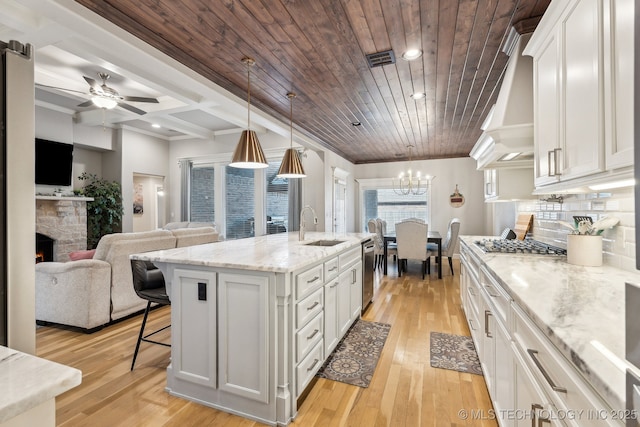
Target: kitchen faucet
point(302, 221)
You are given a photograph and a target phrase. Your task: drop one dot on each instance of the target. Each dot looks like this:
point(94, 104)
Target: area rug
point(356, 356)
point(454, 352)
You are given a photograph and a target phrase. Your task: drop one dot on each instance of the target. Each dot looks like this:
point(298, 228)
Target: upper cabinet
point(619, 54)
point(583, 96)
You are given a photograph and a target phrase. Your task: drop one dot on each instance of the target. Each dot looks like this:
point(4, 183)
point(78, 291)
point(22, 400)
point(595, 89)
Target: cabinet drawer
point(308, 368)
point(308, 308)
point(331, 269)
point(473, 295)
point(309, 336)
point(555, 375)
point(497, 296)
point(349, 258)
point(308, 280)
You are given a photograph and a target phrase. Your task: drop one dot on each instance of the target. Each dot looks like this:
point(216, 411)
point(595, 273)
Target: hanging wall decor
point(138, 204)
point(456, 199)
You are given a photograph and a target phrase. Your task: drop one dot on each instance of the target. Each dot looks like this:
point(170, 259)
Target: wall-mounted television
point(54, 162)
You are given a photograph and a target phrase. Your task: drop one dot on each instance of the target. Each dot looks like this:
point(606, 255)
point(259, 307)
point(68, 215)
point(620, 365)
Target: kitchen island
point(254, 319)
point(543, 321)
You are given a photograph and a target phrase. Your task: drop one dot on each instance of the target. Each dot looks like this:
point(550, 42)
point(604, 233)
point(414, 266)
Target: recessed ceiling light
point(355, 123)
point(418, 95)
point(155, 125)
point(412, 54)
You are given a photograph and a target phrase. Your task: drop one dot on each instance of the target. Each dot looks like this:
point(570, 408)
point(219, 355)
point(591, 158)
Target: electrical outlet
point(202, 291)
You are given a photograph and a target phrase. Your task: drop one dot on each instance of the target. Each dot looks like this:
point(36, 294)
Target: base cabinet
point(195, 303)
point(331, 316)
point(529, 381)
point(532, 408)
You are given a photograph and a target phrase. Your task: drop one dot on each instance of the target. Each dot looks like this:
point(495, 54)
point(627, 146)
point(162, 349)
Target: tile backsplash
point(619, 243)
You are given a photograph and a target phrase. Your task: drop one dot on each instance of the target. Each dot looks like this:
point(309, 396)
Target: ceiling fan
point(104, 96)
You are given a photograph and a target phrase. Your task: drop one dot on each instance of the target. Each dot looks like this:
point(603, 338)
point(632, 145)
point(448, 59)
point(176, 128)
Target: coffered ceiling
point(316, 49)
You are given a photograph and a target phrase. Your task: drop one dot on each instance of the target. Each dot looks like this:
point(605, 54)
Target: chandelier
point(409, 184)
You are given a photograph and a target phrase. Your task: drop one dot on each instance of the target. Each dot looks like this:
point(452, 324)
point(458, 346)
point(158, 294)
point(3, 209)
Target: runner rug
point(454, 352)
point(356, 356)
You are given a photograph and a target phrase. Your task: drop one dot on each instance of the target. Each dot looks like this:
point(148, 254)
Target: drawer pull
point(312, 306)
point(334, 268)
point(487, 332)
point(314, 279)
point(471, 324)
point(471, 291)
point(334, 285)
point(546, 376)
point(315, 362)
point(535, 415)
point(315, 332)
point(489, 291)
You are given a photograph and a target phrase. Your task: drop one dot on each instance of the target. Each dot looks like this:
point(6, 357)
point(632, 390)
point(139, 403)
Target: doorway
point(148, 202)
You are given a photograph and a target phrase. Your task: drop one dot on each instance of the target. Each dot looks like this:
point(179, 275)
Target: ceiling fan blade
point(60, 88)
point(131, 108)
point(94, 84)
point(88, 103)
point(140, 99)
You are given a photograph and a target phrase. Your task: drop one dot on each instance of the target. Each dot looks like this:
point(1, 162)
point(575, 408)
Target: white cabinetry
point(568, 88)
point(583, 68)
point(619, 57)
point(530, 400)
point(508, 184)
point(522, 368)
point(553, 374)
point(243, 333)
point(309, 323)
point(194, 320)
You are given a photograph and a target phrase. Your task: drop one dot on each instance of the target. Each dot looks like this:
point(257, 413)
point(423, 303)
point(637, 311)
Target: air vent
point(381, 58)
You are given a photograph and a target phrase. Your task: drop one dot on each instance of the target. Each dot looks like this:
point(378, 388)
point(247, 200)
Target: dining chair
point(449, 242)
point(411, 237)
point(392, 247)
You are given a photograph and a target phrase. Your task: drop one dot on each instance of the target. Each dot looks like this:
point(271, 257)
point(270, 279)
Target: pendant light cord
point(291, 95)
point(249, 63)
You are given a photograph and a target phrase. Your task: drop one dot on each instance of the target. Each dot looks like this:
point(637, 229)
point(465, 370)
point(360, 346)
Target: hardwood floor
point(405, 390)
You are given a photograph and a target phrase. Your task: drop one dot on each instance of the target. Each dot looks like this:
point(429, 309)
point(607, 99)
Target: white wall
point(448, 173)
point(139, 154)
point(85, 160)
point(146, 220)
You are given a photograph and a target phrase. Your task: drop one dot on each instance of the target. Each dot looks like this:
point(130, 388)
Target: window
point(240, 202)
point(201, 200)
point(387, 204)
point(277, 207)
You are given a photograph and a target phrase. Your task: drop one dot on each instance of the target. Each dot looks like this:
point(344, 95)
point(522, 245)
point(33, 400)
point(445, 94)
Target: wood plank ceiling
point(318, 48)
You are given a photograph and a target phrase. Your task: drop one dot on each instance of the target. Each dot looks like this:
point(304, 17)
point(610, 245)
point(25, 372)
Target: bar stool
point(148, 282)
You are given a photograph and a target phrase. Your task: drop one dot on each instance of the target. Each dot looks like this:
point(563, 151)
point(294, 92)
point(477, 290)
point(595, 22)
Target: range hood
point(507, 138)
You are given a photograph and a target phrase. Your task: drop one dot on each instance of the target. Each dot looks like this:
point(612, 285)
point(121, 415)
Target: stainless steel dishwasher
point(367, 273)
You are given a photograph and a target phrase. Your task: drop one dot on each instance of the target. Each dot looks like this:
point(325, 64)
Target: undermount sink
point(325, 243)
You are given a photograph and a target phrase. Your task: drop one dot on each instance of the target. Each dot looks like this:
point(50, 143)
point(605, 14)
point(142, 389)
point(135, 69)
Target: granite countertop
point(28, 381)
point(280, 253)
point(580, 309)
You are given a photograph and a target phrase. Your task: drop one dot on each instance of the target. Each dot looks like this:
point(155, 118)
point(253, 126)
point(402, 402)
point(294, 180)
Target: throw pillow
point(76, 255)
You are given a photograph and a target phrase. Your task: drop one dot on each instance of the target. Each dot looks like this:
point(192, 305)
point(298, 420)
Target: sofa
point(91, 293)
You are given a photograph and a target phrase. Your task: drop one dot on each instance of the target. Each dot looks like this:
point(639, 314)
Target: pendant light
point(249, 154)
point(291, 166)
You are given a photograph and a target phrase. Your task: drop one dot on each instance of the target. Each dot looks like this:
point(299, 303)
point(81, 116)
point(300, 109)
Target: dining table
point(432, 237)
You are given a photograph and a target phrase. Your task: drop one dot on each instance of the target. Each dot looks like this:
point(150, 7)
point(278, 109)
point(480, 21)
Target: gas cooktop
point(527, 246)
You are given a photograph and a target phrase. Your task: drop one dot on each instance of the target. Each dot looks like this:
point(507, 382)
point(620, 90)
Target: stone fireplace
point(63, 219)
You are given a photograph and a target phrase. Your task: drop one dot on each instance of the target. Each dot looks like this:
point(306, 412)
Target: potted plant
point(104, 213)
point(584, 243)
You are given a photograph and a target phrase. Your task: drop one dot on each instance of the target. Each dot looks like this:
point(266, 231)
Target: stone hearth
point(63, 219)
